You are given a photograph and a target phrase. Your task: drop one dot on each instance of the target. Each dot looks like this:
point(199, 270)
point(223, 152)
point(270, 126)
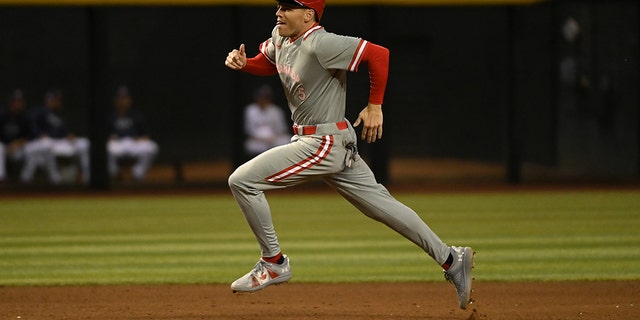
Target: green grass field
point(536, 236)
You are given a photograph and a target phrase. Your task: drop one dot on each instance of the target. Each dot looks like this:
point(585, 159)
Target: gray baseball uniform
point(313, 73)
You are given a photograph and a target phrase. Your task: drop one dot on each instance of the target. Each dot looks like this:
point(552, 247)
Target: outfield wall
point(470, 82)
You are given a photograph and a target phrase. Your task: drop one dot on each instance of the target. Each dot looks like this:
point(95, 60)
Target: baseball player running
point(312, 64)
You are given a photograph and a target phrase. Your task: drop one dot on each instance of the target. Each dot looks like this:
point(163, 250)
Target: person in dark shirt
point(129, 137)
point(53, 139)
point(14, 131)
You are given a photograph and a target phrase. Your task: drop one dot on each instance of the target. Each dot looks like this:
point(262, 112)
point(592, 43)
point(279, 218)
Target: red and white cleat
point(263, 275)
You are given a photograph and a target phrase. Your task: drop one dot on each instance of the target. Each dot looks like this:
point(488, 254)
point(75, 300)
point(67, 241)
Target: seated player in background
point(129, 137)
point(53, 139)
point(14, 132)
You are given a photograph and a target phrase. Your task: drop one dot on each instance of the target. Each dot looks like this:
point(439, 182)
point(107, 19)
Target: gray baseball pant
point(328, 154)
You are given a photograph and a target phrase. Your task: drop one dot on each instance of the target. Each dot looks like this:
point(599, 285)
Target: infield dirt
point(429, 300)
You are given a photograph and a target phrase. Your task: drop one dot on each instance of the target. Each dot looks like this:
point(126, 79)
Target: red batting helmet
point(316, 5)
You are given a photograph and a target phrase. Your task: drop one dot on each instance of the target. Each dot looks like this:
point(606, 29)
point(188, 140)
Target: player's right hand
point(371, 119)
point(237, 58)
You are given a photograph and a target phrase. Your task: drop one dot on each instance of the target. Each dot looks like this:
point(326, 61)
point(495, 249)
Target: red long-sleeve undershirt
point(260, 66)
point(376, 57)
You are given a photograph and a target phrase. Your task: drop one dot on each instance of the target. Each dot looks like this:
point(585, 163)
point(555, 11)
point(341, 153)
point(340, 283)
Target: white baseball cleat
point(263, 275)
point(460, 274)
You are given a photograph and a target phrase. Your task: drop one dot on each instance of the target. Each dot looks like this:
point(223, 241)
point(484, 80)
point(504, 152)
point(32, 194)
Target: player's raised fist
point(237, 58)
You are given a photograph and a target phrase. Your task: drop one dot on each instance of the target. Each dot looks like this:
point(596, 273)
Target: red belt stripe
point(321, 154)
point(308, 130)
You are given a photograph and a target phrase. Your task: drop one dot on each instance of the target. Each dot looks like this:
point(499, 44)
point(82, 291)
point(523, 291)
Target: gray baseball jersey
point(313, 72)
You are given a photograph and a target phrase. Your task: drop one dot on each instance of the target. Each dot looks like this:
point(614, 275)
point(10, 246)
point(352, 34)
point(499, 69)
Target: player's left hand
point(371, 117)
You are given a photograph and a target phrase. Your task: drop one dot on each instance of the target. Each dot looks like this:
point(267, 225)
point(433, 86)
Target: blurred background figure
point(264, 123)
point(129, 137)
point(54, 141)
point(14, 132)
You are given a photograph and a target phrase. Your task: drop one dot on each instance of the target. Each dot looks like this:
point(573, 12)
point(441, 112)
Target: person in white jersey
point(312, 65)
point(264, 123)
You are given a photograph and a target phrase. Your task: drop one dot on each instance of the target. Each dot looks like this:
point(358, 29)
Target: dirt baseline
point(430, 300)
